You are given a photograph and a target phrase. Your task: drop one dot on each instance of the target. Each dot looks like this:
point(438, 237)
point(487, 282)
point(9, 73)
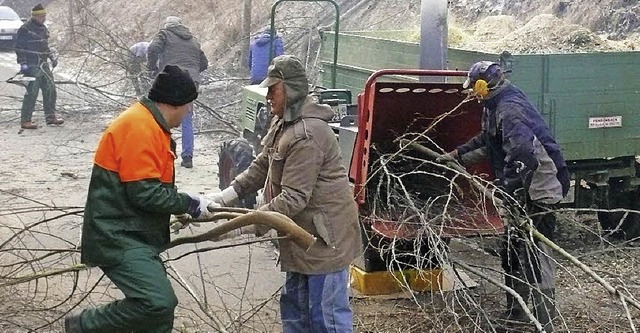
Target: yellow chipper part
point(387, 282)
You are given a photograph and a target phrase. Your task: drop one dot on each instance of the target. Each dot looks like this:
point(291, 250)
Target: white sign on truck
point(602, 122)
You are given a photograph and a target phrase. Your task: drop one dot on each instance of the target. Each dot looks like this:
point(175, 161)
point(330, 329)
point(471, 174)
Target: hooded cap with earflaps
point(173, 86)
point(38, 10)
point(290, 70)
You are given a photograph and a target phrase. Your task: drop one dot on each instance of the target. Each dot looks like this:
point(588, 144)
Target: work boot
point(53, 120)
point(28, 125)
point(187, 162)
point(72, 323)
point(544, 305)
point(514, 311)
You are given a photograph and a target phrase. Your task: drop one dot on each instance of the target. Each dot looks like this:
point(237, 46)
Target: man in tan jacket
point(305, 179)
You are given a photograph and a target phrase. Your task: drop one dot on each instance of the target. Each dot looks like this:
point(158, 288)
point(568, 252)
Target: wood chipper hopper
point(410, 205)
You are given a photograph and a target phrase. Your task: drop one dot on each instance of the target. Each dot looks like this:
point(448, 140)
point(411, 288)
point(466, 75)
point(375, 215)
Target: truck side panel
point(590, 100)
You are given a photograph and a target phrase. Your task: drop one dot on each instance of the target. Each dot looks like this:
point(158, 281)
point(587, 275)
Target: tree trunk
point(246, 32)
point(72, 30)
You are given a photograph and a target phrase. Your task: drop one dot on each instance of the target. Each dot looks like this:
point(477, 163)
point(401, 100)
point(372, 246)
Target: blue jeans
point(316, 303)
point(187, 134)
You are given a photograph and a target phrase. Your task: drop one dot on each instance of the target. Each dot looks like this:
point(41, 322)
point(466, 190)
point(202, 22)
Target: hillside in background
point(217, 24)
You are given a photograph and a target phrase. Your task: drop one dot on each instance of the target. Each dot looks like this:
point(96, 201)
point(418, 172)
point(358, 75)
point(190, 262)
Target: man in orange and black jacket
point(130, 200)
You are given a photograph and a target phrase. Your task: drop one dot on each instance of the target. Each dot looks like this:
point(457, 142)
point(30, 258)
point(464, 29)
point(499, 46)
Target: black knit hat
point(173, 86)
point(38, 10)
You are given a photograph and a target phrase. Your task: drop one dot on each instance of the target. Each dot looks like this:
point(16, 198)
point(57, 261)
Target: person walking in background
point(33, 55)
point(137, 56)
point(258, 59)
point(304, 178)
point(126, 219)
point(175, 45)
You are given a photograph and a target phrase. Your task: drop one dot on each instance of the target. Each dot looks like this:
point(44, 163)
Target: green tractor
point(236, 155)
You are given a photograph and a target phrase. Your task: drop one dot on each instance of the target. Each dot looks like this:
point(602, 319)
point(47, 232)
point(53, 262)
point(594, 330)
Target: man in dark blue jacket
point(33, 53)
point(529, 169)
point(258, 59)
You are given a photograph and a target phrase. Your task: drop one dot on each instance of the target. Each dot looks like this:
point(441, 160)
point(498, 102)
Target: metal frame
point(360, 161)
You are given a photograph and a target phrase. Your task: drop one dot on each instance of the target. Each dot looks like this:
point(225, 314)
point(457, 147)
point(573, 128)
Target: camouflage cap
point(284, 68)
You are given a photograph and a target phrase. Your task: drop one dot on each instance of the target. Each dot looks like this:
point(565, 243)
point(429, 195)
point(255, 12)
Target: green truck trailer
point(591, 102)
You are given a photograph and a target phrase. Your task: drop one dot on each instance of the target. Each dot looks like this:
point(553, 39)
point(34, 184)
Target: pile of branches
point(434, 205)
point(41, 279)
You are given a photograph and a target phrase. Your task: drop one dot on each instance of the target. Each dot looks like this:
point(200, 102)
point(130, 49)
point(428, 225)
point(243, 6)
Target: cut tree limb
point(274, 220)
point(525, 223)
point(239, 218)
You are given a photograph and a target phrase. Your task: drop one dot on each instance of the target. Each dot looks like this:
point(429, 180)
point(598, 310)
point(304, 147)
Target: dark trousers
point(44, 81)
point(531, 260)
point(149, 298)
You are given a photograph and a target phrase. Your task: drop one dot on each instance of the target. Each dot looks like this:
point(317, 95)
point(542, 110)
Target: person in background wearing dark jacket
point(33, 53)
point(175, 45)
point(304, 178)
point(131, 197)
point(529, 168)
point(258, 59)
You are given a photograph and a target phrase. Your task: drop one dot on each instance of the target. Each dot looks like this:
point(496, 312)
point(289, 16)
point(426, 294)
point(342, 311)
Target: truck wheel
point(235, 156)
point(630, 226)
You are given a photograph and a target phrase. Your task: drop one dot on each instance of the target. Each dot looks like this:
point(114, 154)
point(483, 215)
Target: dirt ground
point(583, 304)
point(50, 167)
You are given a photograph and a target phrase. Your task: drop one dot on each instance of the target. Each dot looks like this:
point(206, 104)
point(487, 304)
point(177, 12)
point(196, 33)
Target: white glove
point(198, 210)
point(224, 198)
point(199, 207)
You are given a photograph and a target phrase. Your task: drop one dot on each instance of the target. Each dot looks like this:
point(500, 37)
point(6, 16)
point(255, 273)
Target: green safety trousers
point(44, 81)
point(149, 298)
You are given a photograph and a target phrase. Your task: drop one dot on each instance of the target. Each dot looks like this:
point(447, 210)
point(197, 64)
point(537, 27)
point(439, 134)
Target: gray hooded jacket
point(175, 45)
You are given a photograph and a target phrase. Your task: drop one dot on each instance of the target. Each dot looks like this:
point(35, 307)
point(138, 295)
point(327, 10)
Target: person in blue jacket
point(258, 59)
point(529, 168)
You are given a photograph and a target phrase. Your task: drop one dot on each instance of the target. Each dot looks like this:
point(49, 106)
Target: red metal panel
point(387, 110)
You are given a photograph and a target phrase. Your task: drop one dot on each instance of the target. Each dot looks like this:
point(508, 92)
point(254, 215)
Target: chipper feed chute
point(411, 206)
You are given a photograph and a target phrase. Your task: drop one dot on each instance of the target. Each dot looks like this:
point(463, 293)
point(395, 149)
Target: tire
point(630, 226)
point(263, 120)
point(234, 157)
